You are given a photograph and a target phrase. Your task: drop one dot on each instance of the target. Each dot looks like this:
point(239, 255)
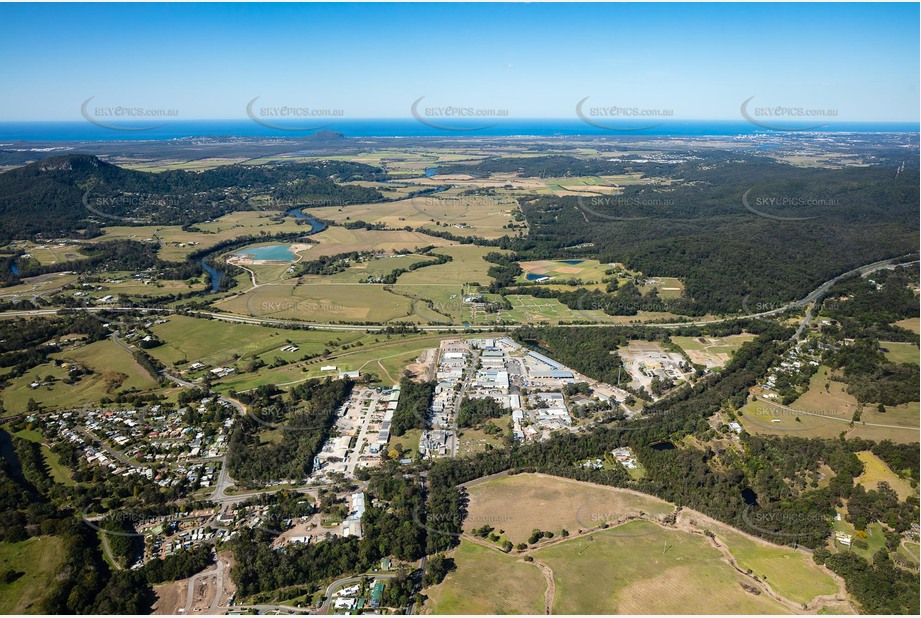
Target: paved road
point(218, 573)
point(469, 375)
point(836, 418)
point(354, 456)
point(227, 317)
point(347, 581)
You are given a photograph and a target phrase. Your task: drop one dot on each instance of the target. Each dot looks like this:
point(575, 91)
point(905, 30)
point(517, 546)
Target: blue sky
point(534, 60)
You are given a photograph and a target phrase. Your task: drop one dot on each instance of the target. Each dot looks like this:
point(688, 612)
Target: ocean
point(77, 131)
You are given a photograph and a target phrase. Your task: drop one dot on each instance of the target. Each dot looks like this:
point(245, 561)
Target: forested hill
point(810, 226)
point(77, 194)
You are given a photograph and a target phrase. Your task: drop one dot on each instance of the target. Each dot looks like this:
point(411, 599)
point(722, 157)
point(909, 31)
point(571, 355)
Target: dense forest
point(700, 230)
point(863, 311)
point(413, 407)
point(475, 412)
point(303, 417)
point(75, 195)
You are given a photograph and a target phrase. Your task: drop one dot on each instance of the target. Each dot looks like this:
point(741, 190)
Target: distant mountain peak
point(70, 162)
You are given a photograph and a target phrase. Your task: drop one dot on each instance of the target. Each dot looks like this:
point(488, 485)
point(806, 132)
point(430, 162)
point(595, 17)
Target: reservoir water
point(217, 274)
point(271, 253)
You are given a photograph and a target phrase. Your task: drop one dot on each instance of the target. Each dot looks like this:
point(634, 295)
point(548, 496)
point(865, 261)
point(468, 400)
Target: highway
point(816, 294)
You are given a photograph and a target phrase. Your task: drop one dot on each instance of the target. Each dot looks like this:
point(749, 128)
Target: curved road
point(228, 317)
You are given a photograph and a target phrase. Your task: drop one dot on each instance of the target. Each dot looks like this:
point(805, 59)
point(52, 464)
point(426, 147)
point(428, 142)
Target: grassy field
point(374, 268)
point(216, 343)
point(472, 441)
point(462, 215)
point(836, 407)
point(114, 369)
point(115, 283)
point(711, 351)
point(487, 582)
point(875, 471)
point(341, 298)
point(911, 550)
point(37, 557)
point(792, 574)
point(384, 355)
point(635, 568)
point(587, 270)
point(912, 324)
point(49, 253)
point(641, 568)
point(177, 244)
point(467, 266)
point(409, 441)
point(321, 302)
point(520, 503)
point(335, 240)
point(900, 352)
point(59, 472)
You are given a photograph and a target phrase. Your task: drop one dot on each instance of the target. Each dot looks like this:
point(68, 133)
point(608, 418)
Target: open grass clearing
point(642, 568)
point(487, 582)
point(217, 343)
point(114, 369)
point(876, 471)
point(898, 352)
point(462, 215)
point(912, 324)
point(321, 302)
point(39, 559)
point(335, 240)
point(522, 502)
point(712, 352)
point(790, 573)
